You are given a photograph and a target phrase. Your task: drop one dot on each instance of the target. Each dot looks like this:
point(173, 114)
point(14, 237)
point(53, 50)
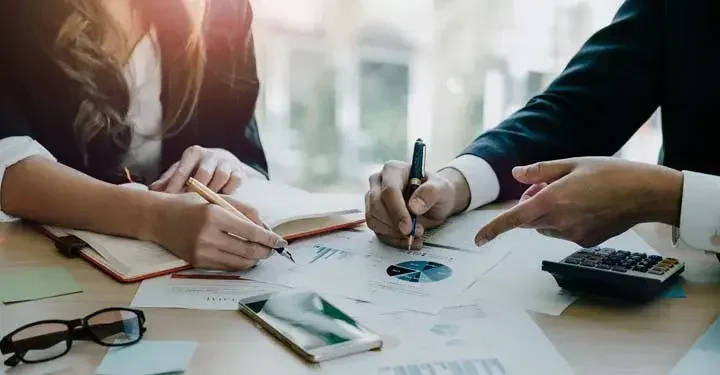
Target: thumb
point(547, 171)
point(425, 197)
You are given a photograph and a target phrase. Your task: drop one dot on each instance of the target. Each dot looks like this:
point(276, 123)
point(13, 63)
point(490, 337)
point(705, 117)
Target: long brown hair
point(79, 51)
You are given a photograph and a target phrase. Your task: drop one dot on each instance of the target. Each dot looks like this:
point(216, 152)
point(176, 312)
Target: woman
point(89, 88)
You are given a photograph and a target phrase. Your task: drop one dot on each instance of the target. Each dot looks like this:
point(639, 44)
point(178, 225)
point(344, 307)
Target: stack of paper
point(704, 357)
point(469, 340)
point(518, 279)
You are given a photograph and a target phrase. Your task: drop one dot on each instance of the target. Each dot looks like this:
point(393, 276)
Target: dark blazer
point(654, 54)
point(38, 100)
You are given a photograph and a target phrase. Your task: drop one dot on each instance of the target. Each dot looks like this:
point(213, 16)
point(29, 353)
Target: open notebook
point(294, 213)
point(290, 212)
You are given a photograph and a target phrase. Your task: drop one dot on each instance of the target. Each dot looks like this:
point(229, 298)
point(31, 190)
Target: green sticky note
point(148, 358)
point(36, 283)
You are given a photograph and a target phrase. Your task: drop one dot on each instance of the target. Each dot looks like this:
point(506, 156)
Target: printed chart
point(419, 271)
point(479, 366)
point(362, 268)
point(327, 253)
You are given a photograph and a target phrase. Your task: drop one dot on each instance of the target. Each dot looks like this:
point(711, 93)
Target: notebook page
point(129, 255)
point(280, 203)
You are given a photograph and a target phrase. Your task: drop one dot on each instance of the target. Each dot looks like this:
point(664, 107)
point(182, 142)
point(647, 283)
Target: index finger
point(523, 213)
point(393, 181)
point(250, 231)
point(185, 168)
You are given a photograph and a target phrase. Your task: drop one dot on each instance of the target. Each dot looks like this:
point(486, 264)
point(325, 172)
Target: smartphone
point(310, 325)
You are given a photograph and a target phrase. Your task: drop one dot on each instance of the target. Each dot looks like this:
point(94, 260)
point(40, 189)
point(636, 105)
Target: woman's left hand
point(218, 169)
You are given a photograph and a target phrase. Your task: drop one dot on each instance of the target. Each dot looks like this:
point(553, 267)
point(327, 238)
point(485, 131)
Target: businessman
point(553, 154)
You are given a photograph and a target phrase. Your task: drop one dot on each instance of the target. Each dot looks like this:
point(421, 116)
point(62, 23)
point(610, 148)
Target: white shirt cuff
point(481, 178)
point(700, 212)
point(13, 150)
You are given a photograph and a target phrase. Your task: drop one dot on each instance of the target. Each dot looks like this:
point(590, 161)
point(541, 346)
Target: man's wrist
point(665, 203)
point(460, 186)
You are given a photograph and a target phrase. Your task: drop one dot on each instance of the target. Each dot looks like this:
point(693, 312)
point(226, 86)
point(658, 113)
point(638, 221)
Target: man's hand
point(588, 200)
point(441, 195)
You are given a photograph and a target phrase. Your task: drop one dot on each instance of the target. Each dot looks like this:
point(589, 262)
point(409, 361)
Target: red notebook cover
point(64, 247)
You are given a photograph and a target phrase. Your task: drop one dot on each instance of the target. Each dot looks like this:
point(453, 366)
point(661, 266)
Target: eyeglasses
point(49, 339)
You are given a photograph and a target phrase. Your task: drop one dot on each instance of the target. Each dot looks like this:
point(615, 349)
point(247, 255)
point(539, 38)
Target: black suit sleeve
point(12, 122)
point(237, 49)
point(606, 92)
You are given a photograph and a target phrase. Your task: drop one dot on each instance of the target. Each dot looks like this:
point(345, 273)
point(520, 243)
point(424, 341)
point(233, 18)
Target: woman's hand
point(197, 231)
point(218, 169)
point(589, 200)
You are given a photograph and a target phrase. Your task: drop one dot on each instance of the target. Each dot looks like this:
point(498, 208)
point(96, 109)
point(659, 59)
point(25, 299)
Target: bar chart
point(323, 253)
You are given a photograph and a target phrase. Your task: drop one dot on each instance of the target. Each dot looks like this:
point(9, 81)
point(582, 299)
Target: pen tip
point(410, 241)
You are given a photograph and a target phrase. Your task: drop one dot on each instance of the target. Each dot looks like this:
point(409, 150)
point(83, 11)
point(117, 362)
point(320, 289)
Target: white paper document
point(274, 270)
point(488, 340)
point(168, 292)
point(704, 357)
point(518, 278)
point(355, 264)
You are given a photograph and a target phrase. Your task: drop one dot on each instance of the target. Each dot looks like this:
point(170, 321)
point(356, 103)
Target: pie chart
point(419, 271)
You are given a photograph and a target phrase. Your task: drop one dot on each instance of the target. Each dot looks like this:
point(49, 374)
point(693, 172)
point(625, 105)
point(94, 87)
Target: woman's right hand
point(197, 231)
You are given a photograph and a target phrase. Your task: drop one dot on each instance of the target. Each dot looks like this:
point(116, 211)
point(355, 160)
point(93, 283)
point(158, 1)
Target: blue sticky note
point(675, 291)
point(704, 357)
point(148, 358)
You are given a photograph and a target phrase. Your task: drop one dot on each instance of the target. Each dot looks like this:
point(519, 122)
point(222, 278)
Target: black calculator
point(615, 273)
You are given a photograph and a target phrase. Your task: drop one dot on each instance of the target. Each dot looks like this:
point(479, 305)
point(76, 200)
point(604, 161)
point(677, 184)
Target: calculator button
point(640, 269)
point(639, 255)
point(603, 266)
point(572, 261)
point(657, 271)
point(620, 269)
point(588, 264)
point(655, 258)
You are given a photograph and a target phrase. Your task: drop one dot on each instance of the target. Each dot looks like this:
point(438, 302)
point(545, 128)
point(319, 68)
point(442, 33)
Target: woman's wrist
point(150, 206)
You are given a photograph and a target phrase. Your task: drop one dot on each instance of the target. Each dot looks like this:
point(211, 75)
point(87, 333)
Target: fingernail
point(281, 243)
point(481, 241)
point(404, 226)
point(419, 231)
point(416, 205)
point(519, 170)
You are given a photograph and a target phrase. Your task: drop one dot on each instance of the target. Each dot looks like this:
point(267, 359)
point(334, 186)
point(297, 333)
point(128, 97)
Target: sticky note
point(148, 358)
point(675, 291)
point(36, 283)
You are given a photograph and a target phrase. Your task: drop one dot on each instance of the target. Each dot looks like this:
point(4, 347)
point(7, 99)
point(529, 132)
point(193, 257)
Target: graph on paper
point(323, 253)
point(480, 366)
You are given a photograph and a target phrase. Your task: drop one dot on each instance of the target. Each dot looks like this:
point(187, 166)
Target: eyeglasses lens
point(116, 327)
point(41, 342)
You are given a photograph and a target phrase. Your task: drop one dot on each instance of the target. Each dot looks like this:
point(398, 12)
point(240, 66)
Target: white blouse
point(144, 78)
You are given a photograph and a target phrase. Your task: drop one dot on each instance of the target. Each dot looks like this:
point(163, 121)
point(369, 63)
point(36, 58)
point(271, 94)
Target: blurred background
point(350, 84)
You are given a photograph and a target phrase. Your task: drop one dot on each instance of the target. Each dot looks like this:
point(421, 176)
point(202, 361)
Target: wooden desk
point(594, 339)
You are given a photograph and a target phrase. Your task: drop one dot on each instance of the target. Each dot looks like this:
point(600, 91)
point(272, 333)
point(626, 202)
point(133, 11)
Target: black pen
point(417, 175)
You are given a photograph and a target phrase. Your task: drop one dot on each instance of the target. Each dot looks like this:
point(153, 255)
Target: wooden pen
point(212, 197)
